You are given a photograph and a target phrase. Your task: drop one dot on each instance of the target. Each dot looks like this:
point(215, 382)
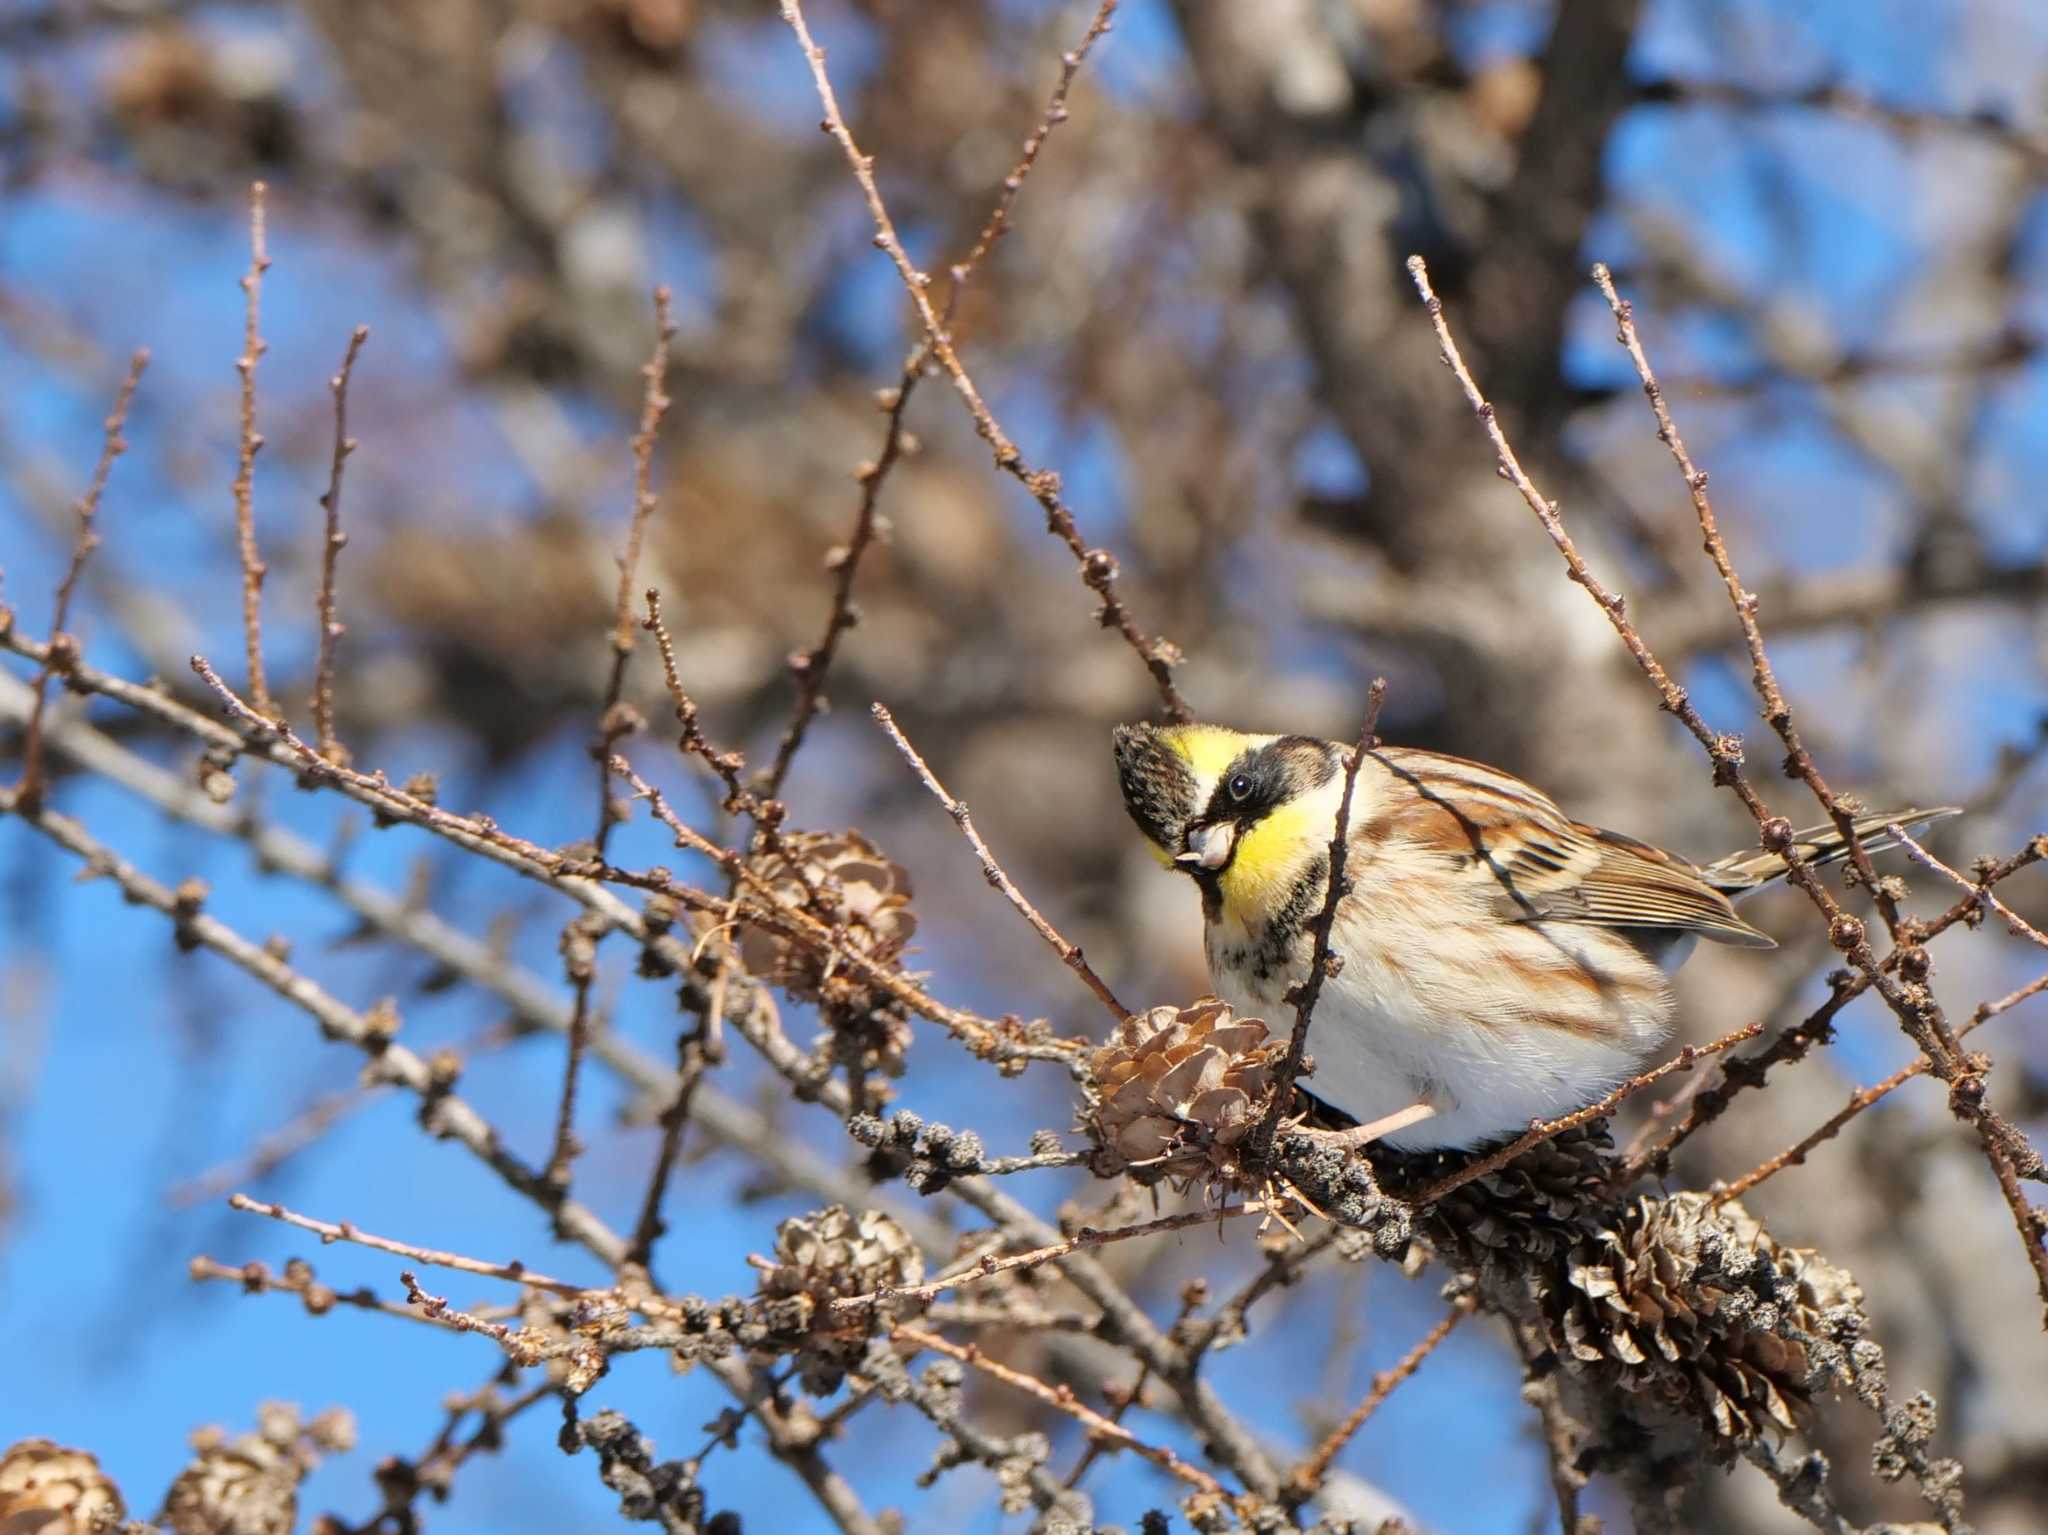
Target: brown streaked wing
point(1553, 869)
point(1636, 894)
point(1474, 812)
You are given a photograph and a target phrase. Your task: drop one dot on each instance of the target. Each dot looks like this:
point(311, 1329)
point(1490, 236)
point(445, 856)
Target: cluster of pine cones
point(244, 1485)
point(1690, 1303)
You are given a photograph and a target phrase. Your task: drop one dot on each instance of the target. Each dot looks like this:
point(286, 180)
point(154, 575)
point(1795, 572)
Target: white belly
point(1382, 1042)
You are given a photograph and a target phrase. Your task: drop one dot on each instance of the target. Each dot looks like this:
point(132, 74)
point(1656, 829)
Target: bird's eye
point(1240, 786)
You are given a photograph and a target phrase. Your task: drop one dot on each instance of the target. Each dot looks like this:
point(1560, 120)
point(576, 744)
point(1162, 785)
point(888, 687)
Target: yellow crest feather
point(1209, 749)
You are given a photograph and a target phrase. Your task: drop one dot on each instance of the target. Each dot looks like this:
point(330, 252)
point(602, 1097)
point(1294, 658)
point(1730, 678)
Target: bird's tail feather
point(1739, 872)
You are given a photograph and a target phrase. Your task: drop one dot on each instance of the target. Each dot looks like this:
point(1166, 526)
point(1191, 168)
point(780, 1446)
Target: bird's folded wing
point(1543, 866)
point(1574, 873)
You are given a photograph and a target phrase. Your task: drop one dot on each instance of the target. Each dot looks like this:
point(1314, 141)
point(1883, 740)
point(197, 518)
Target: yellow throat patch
point(1270, 858)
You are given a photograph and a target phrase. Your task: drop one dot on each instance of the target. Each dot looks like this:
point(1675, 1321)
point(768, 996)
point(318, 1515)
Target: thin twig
point(1061, 1398)
point(347, 1231)
point(2010, 1000)
point(1070, 953)
point(63, 649)
point(766, 814)
point(1686, 1058)
point(2016, 924)
point(692, 1057)
point(1739, 1073)
point(1796, 1154)
point(436, 1467)
point(331, 628)
point(1004, 1455)
point(998, 223)
point(1282, 1268)
point(793, 1441)
point(792, 921)
point(1307, 1478)
point(437, 1308)
point(654, 404)
point(1864, 1097)
point(1098, 566)
point(253, 348)
point(580, 962)
point(298, 1279)
point(1305, 992)
point(1123, 1399)
point(812, 666)
point(580, 878)
point(615, 722)
point(855, 1307)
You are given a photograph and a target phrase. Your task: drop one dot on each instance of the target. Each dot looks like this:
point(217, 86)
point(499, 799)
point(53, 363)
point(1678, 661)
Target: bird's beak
point(1208, 847)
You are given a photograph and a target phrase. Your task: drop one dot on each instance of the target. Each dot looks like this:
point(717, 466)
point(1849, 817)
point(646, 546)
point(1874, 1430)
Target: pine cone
point(1701, 1306)
point(1538, 1204)
point(1176, 1089)
point(46, 1489)
point(250, 1485)
point(828, 1256)
point(867, 1041)
point(845, 882)
point(245, 1488)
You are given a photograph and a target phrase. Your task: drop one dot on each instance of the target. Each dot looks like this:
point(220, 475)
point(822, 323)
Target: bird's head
point(1217, 803)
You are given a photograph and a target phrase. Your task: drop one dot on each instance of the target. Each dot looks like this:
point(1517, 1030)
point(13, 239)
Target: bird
point(1498, 963)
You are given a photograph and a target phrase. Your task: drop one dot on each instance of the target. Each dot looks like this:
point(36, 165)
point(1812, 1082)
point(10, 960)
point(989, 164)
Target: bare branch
point(615, 722)
point(1069, 953)
point(62, 651)
point(855, 1307)
point(347, 1231)
point(1303, 993)
point(1307, 1479)
point(253, 348)
point(1687, 1056)
point(1098, 566)
point(1101, 1430)
point(299, 1279)
point(812, 666)
point(331, 628)
point(998, 223)
point(2016, 924)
